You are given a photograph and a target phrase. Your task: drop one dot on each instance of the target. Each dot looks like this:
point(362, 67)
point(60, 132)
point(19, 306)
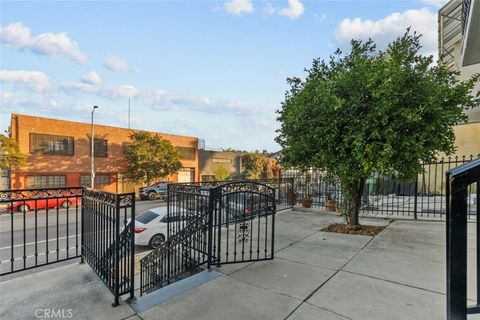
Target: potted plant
point(307, 200)
point(330, 201)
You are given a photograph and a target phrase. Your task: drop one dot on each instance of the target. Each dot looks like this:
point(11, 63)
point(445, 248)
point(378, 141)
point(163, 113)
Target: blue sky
point(212, 69)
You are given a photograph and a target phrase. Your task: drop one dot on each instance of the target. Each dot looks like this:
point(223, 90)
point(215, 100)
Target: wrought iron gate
point(243, 222)
point(108, 243)
point(211, 224)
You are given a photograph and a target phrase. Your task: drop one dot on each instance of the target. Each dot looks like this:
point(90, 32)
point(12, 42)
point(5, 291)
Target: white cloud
point(321, 17)
point(385, 30)
point(92, 78)
point(12, 101)
point(163, 100)
point(269, 9)
point(114, 92)
point(238, 7)
point(34, 80)
point(49, 44)
point(435, 3)
point(115, 63)
point(119, 91)
point(73, 87)
point(294, 10)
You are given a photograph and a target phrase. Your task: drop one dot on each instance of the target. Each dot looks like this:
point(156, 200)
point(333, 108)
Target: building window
point(100, 180)
point(45, 181)
point(186, 153)
point(208, 178)
point(100, 148)
point(51, 144)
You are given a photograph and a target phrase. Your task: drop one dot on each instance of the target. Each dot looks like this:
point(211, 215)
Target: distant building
point(211, 161)
point(58, 154)
point(459, 49)
point(459, 41)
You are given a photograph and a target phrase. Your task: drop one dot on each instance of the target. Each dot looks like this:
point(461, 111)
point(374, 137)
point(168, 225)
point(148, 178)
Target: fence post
point(456, 250)
point(478, 242)
point(415, 199)
point(82, 224)
point(169, 201)
point(211, 197)
point(273, 224)
point(117, 248)
point(132, 249)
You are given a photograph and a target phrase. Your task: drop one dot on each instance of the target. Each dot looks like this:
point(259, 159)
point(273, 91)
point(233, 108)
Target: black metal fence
point(423, 197)
point(211, 223)
point(39, 227)
point(108, 242)
point(459, 181)
point(186, 243)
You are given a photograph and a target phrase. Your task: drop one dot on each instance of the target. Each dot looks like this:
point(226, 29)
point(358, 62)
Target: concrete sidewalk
point(399, 274)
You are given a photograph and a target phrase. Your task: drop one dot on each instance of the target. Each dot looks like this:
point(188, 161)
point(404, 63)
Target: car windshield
point(146, 217)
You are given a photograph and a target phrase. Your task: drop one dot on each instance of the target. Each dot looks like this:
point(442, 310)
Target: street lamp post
point(92, 165)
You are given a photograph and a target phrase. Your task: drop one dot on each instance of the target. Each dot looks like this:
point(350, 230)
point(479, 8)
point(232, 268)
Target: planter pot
point(307, 202)
point(330, 205)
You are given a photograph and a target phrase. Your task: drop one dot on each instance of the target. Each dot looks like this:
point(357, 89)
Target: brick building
point(58, 154)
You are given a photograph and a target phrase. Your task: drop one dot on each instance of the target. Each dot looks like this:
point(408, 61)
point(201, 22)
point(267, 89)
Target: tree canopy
point(370, 111)
point(221, 173)
point(257, 165)
point(150, 157)
point(10, 155)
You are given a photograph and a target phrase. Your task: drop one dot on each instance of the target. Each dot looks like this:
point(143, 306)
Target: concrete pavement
point(399, 274)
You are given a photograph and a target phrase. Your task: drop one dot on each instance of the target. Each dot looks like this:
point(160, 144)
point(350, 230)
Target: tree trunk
point(354, 200)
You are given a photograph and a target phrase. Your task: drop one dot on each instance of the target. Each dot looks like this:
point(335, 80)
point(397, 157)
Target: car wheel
point(23, 208)
point(152, 196)
point(66, 204)
point(156, 241)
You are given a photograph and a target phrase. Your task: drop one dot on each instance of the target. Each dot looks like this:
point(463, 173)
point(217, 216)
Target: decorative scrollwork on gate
point(243, 232)
point(13, 195)
point(106, 197)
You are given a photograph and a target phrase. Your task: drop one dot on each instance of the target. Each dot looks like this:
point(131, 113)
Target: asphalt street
point(30, 245)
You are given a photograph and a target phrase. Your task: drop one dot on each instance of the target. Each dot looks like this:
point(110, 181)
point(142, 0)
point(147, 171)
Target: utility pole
point(128, 113)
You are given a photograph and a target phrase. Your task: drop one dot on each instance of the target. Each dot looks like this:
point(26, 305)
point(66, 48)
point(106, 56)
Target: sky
point(216, 70)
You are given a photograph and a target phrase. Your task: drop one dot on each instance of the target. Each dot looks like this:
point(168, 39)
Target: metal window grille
point(100, 180)
point(100, 148)
point(45, 181)
point(51, 144)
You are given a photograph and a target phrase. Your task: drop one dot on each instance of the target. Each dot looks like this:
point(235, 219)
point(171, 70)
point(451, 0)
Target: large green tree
point(370, 111)
point(10, 155)
point(150, 157)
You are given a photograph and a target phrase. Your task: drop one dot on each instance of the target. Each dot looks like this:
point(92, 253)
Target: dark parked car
point(155, 191)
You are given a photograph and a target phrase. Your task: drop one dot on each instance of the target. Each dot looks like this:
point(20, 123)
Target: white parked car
point(151, 227)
